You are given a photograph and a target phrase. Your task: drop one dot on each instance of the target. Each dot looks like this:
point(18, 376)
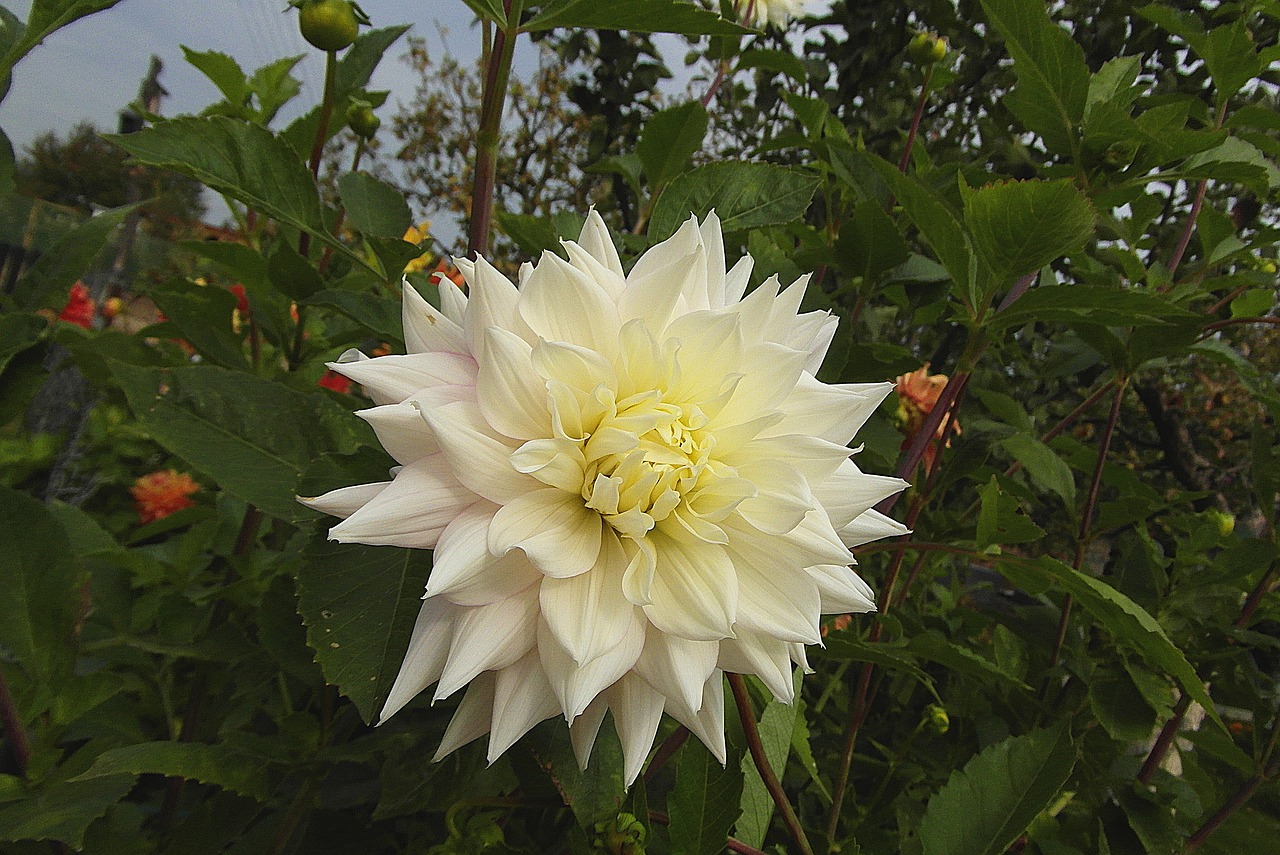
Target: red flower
point(918, 393)
point(335, 381)
point(242, 301)
point(162, 493)
point(79, 309)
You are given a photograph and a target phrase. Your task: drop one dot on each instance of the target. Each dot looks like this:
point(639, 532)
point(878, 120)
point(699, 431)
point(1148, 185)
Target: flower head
point(79, 309)
point(918, 393)
point(761, 13)
point(161, 493)
point(632, 483)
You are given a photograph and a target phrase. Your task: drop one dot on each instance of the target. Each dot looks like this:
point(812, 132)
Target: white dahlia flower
point(760, 13)
point(632, 483)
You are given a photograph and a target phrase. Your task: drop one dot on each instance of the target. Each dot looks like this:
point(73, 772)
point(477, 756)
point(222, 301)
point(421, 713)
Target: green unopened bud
point(361, 119)
point(936, 719)
point(927, 48)
point(1226, 522)
point(624, 835)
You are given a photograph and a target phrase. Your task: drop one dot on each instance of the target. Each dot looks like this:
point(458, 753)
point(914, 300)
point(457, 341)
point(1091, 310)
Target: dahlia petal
point(561, 303)
point(522, 697)
point(588, 613)
point(870, 526)
point(765, 657)
point(424, 660)
point(612, 281)
point(464, 572)
point(654, 292)
point(512, 398)
point(842, 590)
point(596, 240)
point(834, 413)
point(575, 366)
point(344, 501)
point(816, 341)
point(694, 593)
point(577, 685)
point(707, 723)
point(392, 379)
point(554, 462)
point(637, 581)
point(783, 310)
point(637, 711)
point(685, 241)
point(473, 717)
point(850, 492)
point(713, 239)
point(453, 302)
point(411, 511)
point(489, 638)
point(769, 375)
point(401, 431)
point(584, 729)
point(493, 303)
point(426, 329)
point(479, 456)
point(782, 499)
point(558, 533)
point(737, 279)
point(781, 602)
point(677, 667)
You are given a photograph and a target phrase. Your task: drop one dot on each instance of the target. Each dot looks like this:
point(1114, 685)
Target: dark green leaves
point(45, 17)
point(670, 138)
point(595, 793)
point(743, 195)
point(704, 803)
point(638, 16)
point(869, 243)
point(244, 161)
point(1020, 226)
point(359, 604)
point(253, 437)
point(220, 765)
point(375, 208)
point(985, 807)
point(1053, 80)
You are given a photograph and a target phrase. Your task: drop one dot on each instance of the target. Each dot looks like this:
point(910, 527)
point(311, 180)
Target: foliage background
point(1082, 238)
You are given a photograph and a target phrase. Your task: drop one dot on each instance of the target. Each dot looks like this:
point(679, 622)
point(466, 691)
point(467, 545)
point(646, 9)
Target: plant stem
point(1160, 747)
point(771, 782)
point(665, 752)
point(322, 133)
point(948, 399)
point(732, 844)
point(1086, 517)
point(493, 99)
point(15, 734)
point(342, 211)
point(1271, 766)
point(1189, 227)
point(905, 160)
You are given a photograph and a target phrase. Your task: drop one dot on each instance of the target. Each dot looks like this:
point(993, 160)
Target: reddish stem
point(666, 751)
point(915, 120)
point(15, 733)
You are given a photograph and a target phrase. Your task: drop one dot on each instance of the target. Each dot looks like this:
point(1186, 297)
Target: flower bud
point(624, 835)
point(936, 719)
point(361, 120)
point(927, 48)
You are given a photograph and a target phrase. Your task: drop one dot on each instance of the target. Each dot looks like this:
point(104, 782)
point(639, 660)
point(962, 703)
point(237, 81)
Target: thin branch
point(665, 752)
point(771, 782)
point(905, 160)
point(15, 734)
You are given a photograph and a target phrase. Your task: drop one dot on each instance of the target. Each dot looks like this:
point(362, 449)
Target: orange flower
point(162, 493)
point(444, 270)
point(79, 309)
point(335, 381)
point(917, 395)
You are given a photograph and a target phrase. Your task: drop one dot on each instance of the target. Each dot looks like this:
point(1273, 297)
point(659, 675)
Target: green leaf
point(490, 9)
point(274, 86)
point(1113, 84)
point(17, 333)
point(224, 71)
point(1045, 467)
point(203, 315)
point(61, 810)
point(375, 208)
point(957, 658)
point(869, 243)
point(46, 284)
point(774, 60)
point(704, 801)
point(1110, 307)
point(743, 195)
point(45, 17)
point(670, 138)
point(1053, 80)
point(595, 793)
point(777, 724)
point(939, 227)
point(1232, 59)
point(379, 315)
point(1002, 520)
point(1127, 622)
point(218, 765)
point(354, 70)
point(1020, 226)
point(244, 161)
point(1119, 706)
point(39, 577)
point(1235, 161)
point(987, 805)
point(251, 436)
point(638, 16)
point(359, 604)
point(291, 274)
point(892, 657)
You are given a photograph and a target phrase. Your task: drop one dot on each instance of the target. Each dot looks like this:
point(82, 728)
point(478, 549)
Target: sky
point(91, 69)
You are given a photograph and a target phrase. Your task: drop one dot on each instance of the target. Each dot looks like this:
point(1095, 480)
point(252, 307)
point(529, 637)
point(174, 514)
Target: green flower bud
point(927, 48)
point(936, 719)
point(361, 120)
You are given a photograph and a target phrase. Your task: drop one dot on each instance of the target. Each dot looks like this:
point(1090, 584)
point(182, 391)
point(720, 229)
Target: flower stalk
point(493, 101)
point(748, 716)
